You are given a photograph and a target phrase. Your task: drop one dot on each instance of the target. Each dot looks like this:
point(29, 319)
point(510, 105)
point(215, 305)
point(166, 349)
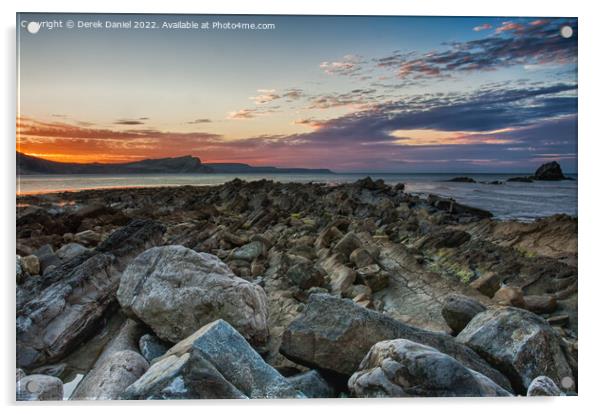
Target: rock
point(188, 376)
point(341, 277)
point(519, 180)
point(115, 374)
point(20, 374)
point(60, 310)
point(550, 171)
point(361, 258)
point(347, 245)
point(39, 388)
point(305, 275)
point(46, 257)
point(126, 339)
point(249, 251)
point(30, 264)
point(509, 296)
point(363, 291)
point(518, 343)
point(540, 303)
point(402, 368)
point(442, 239)
point(215, 354)
point(462, 180)
point(70, 250)
point(335, 334)
point(543, 386)
point(20, 273)
point(453, 207)
point(560, 320)
point(88, 238)
point(326, 237)
point(175, 290)
point(458, 310)
point(487, 284)
point(152, 347)
point(312, 385)
point(373, 277)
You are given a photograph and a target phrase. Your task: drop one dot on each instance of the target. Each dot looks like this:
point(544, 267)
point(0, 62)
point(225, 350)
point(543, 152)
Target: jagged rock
point(402, 368)
point(30, 264)
point(312, 385)
point(335, 334)
point(152, 347)
point(249, 251)
point(458, 310)
point(39, 388)
point(543, 386)
point(58, 311)
point(540, 303)
point(347, 245)
point(70, 250)
point(361, 257)
point(88, 238)
point(108, 380)
point(215, 359)
point(176, 290)
point(518, 343)
point(550, 171)
point(373, 277)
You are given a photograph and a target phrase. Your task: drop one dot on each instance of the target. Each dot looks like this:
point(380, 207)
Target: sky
point(363, 94)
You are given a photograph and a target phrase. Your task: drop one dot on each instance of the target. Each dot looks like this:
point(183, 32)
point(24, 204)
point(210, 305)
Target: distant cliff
point(29, 165)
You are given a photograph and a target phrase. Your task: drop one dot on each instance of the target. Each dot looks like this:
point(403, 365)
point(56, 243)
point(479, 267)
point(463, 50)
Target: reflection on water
point(523, 201)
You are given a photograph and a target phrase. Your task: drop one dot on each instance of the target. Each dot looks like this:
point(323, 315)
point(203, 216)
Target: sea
point(511, 200)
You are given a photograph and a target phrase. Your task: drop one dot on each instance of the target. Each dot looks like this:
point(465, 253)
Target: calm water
point(522, 201)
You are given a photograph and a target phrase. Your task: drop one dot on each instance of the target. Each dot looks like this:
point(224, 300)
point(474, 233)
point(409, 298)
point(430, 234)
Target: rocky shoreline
point(270, 290)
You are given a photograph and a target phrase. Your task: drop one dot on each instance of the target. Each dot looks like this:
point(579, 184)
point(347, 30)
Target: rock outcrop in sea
point(270, 290)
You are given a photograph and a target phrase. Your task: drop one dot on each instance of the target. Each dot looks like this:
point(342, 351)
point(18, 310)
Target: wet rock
point(175, 290)
point(373, 277)
point(312, 385)
point(518, 343)
point(152, 347)
point(58, 311)
point(335, 334)
point(249, 251)
point(361, 257)
point(347, 245)
point(462, 180)
point(540, 303)
point(543, 386)
point(30, 264)
point(458, 311)
point(402, 368)
point(39, 388)
point(46, 257)
point(88, 237)
point(219, 358)
point(108, 380)
point(550, 171)
point(70, 250)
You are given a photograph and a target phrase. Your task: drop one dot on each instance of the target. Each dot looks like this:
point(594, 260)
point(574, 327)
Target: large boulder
point(175, 291)
point(108, 380)
point(312, 385)
point(39, 388)
point(543, 386)
point(214, 362)
point(550, 171)
point(58, 311)
point(402, 368)
point(335, 334)
point(519, 343)
point(458, 310)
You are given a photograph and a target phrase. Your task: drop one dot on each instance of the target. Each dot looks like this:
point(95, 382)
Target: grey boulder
point(312, 385)
point(335, 334)
point(519, 343)
point(543, 386)
point(39, 388)
point(175, 291)
point(458, 310)
point(152, 347)
point(402, 368)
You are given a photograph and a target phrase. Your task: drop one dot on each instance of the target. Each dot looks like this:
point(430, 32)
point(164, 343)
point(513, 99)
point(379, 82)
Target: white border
point(589, 191)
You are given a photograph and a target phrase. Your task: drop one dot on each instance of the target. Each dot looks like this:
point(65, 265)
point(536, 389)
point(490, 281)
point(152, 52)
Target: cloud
point(355, 98)
point(485, 26)
point(199, 121)
point(250, 113)
point(350, 65)
point(538, 42)
point(129, 121)
point(265, 96)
